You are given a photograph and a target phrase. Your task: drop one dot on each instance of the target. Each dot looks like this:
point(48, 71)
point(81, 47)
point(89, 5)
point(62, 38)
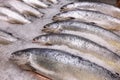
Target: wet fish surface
point(6, 38)
point(60, 65)
point(23, 8)
point(100, 19)
point(110, 39)
point(35, 3)
point(53, 1)
point(12, 16)
point(83, 45)
point(95, 6)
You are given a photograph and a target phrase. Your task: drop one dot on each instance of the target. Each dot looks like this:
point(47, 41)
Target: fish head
point(42, 39)
point(20, 57)
point(63, 8)
point(52, 28)
point(63, 16)
point(67, 7)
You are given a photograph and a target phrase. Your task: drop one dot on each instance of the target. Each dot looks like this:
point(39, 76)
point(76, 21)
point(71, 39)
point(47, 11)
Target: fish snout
point(62, 9)
point(55, 18)
point(58, 18)
point(14, 57)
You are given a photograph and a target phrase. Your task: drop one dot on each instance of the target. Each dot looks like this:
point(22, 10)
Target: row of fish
point(15, 11)
point(90, 33)
point(92, 13)
point(7, 38)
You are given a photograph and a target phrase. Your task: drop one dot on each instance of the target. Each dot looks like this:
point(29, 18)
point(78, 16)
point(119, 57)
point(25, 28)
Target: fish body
point(87, 30)
point(6, 38)
point(83, 45)
point(35, 3)
point(12, 16)
point(60, 65)
point(95, 6)
point(100, 19)
point(23, 8)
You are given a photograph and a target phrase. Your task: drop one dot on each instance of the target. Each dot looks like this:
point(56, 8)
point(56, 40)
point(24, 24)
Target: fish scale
point(72, 67)
point(83, 45)
point(85, 29)
point(94, 6)
point(66, 66)
point(100, 19)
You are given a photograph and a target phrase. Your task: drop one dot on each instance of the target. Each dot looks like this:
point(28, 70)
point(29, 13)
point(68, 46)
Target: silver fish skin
point(95, 6)
point(23, 8)
point(60, 65)
point(83, 45)
point(6, 38)
point(35, 3)
point(110, 38)
point(80, 26)
point(100, 19)
point(12, 16)
point(53, 1)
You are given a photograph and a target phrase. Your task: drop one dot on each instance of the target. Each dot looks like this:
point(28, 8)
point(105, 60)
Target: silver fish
point(108, 38)
point(6, 38)
point(35, 3)
point(95, 6)
point(23, 8)
point(83, 45)
point(98, 18)
point(60, 65)
point(12, 16)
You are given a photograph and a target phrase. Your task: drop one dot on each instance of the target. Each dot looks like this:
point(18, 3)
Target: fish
point(81, 44)
point(60, 65)
point(12, 16)
point(94, 6)
point(98, 18)
point(53, 1)
point(7, 38)
point(35, 3)
point(88, 30)
point(23, 8)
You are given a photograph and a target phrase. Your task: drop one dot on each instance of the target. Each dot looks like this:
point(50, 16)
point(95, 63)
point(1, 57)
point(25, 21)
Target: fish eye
point(62, 7)
point(46, 26)
point(34, 39)
point(10, 34)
